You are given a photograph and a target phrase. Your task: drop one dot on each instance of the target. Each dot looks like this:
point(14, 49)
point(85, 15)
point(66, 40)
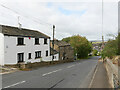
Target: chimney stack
point(19, 24)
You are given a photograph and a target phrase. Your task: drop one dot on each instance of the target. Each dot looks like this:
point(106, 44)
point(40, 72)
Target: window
point(38, 54)
point(29, 55)
point(20, 57)
point(45, 41)
point(36, 40)
point(46, 53)
point(20, 41)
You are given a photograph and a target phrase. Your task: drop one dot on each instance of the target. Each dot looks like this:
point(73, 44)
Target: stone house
point(66, 52)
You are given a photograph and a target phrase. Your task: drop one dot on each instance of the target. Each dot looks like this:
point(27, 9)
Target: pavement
point(100, 78)
point(76, 74)
point(7, 70)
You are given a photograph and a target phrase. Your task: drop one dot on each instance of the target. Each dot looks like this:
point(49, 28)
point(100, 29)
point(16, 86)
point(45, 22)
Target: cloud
point(70, 18)
point(69, 12)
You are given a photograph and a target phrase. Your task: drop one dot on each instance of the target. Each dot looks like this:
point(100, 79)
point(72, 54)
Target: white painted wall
point(11, 50)
point(56, 57)
point(1, 49)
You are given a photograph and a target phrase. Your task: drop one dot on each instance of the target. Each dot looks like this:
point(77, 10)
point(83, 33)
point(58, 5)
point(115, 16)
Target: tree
point(66, 39)
point(80, 44)
point(110, 49)
point(95, 52)
point(112, 35)
point(119, 43)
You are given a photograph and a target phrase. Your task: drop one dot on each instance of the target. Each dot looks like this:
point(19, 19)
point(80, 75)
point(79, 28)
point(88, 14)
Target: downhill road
point(76, 74)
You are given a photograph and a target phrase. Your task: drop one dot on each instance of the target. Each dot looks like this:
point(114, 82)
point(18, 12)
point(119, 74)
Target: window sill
point(37, 44)
point(20, 45)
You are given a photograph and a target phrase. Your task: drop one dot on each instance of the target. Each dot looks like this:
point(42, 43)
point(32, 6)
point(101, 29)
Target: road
point(76, 74)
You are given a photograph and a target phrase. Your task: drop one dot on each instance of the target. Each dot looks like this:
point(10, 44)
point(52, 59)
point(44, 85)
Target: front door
point(20, 57)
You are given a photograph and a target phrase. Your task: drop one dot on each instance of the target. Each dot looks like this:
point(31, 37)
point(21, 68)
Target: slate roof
point(15, 31)
point(61, 43)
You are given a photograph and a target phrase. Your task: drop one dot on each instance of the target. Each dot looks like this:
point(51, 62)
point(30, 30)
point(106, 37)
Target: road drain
point(55, 84)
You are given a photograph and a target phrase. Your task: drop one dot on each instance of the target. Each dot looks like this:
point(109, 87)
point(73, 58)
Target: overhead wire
point(28, 17)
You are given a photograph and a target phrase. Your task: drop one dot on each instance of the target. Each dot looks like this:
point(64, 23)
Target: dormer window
point(37, 41)
point(45, 41)
point(20, 41)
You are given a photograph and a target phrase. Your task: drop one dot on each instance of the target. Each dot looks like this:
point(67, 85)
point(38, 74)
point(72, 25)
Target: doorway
point(20, 57)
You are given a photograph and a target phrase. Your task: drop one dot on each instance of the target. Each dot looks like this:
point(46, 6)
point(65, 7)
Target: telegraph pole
point(119, 28)
point(102, 28)
point(102, 34)
point(53, 42)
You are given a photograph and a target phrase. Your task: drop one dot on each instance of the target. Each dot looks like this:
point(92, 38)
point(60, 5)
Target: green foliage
point(66, 39)
point(95, 52)
point(110, 49)
point(80, 44)
point(118, 43)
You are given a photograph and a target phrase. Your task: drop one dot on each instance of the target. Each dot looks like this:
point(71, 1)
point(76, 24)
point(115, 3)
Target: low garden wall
point(113, 68)
point(28, 66)
point(41, 64)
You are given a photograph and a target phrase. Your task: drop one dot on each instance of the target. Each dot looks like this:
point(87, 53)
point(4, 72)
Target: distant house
point(23, 45)
point(66, 52)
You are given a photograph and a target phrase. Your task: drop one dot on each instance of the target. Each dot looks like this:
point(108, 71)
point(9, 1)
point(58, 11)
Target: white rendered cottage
point(23, 45)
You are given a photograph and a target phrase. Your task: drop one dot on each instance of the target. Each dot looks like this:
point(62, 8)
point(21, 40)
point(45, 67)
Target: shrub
point(110, 49)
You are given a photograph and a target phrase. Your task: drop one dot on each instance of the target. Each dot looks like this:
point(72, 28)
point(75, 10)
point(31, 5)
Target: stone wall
point(42, 64)
point(112, 71)
point(23, 66)
point(66, 53)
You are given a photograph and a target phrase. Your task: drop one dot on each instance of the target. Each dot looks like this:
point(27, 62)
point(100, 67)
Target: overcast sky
point(70, 17)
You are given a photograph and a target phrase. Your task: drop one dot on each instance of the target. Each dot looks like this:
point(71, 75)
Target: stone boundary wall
point(112, 71)
point(38, 64)
point(41, 64)
point(0, 78)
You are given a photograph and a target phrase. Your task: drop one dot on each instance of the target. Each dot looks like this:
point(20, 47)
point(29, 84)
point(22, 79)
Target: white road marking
point(51, 72)
point(93, 77)
point(70, 66)
point(15, 84)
